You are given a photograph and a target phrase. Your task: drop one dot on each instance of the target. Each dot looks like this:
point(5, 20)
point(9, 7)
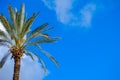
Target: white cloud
point(30, 70)
point(87, 14)
point(84, 17)
point(62, 9)
point(65, 12)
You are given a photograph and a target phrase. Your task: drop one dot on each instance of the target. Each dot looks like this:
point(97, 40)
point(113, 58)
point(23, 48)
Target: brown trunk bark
point(17, 61)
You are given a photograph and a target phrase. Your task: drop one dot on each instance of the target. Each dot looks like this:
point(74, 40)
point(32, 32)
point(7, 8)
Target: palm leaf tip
point(39, 58)
point(30, 55)
point(55, 61)
point(40, 28)
point(28, 24)
point(41, 61)
point(10, 10)
point(4, 59)
point(48, 55)
point(22, 12)
point(42, 64)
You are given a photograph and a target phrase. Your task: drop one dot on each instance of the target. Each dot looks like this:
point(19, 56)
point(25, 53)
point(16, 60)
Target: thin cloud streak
point(65, 12)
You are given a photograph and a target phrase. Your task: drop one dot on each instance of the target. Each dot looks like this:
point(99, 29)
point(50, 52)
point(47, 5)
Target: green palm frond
point(1, 40)
point(4, 43)
point(13, 15)
point(22, 11)
point(40, 60)
point(30, 54)
point(36, 32)
point(43, 35)
point(35, 36)
point(6, 24)
point(38, 29)
point(17, 23)
point(44, 41)
point(40, 41)
point(27, 25)
point(17, 18)
point(4, 59)
point(47, 29)
point(2, 34)
point(48, 55)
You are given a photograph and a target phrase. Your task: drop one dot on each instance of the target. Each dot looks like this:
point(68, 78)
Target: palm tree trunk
point(17, 61)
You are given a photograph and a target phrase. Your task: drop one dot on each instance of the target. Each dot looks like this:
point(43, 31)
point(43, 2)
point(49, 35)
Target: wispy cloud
point(87, 14)
point(67, 14)
point(30, 70)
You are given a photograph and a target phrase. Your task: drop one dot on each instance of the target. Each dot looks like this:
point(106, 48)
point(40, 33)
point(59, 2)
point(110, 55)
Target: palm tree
point(18, 38)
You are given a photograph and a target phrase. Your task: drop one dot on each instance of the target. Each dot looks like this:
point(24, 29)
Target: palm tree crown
point(18, 35)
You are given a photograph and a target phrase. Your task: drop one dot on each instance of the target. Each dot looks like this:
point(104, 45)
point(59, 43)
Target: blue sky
point(90, 31)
